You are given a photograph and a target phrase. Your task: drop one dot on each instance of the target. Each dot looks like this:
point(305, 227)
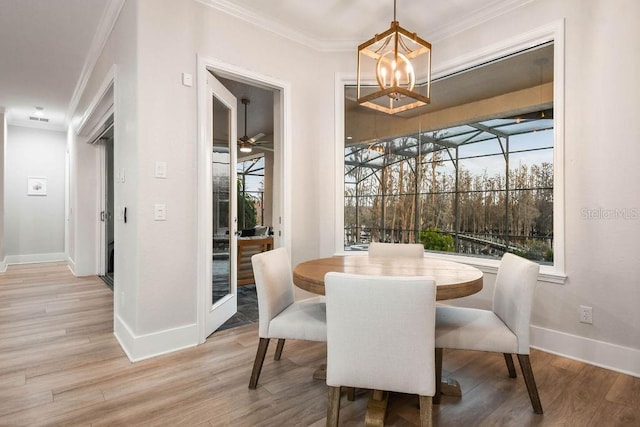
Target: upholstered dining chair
point(279, 316)
point(504, 329)
point(380, 336)
point(410, 250)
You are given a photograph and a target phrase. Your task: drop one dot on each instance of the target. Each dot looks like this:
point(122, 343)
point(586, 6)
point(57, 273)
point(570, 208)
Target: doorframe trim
point(282, 165)
point(97, 112)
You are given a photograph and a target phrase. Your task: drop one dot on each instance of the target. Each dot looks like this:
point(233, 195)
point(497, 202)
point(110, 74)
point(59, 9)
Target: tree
point(247, 213)
point(433, 239)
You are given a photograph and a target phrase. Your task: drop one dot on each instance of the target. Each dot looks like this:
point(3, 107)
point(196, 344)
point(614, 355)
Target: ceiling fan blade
point(255, 138)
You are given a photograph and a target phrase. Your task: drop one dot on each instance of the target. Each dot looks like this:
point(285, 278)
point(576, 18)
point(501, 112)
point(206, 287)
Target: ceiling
point(48, 47)
point(259, 117)
point(44, 45)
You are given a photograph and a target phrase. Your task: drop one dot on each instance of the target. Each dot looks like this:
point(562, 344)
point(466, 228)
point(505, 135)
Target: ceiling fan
point(246, 144)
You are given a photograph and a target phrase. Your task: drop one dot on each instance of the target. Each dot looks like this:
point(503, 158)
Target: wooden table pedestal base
point(376, 409)
point(320, 373)
point(377, 405)
point(450, 387)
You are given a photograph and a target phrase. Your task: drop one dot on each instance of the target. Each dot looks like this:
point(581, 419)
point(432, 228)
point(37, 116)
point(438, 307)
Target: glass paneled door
point(222, 247)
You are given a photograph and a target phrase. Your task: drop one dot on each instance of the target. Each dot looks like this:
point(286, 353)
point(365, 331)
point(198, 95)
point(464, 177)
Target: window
point(250, 192)
point(472, 174)
point(472, 189)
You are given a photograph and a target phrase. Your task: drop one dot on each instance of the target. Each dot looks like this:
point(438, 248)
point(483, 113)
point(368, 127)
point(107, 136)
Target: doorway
point(254, 169)
point(106, 142)
point(273, 146)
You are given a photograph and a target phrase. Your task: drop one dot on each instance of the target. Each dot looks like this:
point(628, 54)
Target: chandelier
point(401, 63)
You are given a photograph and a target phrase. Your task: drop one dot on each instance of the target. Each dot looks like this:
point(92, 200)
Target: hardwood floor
point(61, 365)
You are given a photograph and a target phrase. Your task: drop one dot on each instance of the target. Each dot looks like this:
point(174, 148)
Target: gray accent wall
point(34, 224)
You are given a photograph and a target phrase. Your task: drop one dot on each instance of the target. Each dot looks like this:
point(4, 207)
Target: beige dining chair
point(410, 250)
point(279, 316)
point(380, 336)
point(504, 329)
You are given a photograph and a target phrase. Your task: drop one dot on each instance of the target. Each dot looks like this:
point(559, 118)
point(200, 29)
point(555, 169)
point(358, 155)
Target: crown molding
point(105, 27)
point(265, 23)
point(473, 18)
point(476, 17)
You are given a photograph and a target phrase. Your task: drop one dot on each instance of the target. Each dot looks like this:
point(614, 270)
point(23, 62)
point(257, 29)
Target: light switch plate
point(187, 79)
point(161, 170)
point(159, 212)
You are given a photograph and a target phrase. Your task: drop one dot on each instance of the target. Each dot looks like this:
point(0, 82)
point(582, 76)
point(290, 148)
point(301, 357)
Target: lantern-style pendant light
point(401, 63)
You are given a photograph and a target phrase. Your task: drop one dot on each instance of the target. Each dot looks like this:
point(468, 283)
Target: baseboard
point(614, 357)
point(72, 266)
point(141, 347)
point(3, 265)
point(35, 258)
point(79, 270)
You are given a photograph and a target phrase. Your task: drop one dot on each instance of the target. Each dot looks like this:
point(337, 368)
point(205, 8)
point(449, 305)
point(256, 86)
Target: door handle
point(102, 216)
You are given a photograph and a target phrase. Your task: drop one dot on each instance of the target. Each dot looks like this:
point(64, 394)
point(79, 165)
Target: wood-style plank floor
point(61, 365)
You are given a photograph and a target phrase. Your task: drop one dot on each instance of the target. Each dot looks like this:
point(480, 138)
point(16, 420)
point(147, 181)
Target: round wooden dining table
point(453, 280)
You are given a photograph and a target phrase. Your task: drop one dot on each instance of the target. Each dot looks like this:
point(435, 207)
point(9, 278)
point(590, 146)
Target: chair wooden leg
point(436, 398)
point(351, 394)
point(426, 411)
point(257, 363)
point(527, 373)
point(279, 348)
point(333, 406)
point(510, 366)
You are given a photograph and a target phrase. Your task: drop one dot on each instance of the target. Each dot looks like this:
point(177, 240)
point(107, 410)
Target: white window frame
point(553, 32)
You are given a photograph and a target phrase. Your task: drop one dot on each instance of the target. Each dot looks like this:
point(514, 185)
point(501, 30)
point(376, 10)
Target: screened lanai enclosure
point(250, 191)
point(475, 181)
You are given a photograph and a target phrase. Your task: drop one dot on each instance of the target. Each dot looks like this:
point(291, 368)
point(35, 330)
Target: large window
point(471, 176)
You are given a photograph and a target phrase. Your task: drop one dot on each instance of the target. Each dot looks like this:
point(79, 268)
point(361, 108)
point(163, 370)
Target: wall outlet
point(586, 314)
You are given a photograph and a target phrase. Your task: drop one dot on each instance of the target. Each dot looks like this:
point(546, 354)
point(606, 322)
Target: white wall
point(34, 225)
point(155, 120)
point(155, 41)
point(119, 54)
point(3, 139)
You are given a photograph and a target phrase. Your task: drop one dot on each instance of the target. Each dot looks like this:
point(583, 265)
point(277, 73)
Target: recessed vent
point(38, 119)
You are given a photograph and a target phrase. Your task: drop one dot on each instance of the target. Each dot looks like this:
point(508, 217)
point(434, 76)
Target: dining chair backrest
point(513, 296)
point(381, 332)
point(410, 250)
point(274, 286)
